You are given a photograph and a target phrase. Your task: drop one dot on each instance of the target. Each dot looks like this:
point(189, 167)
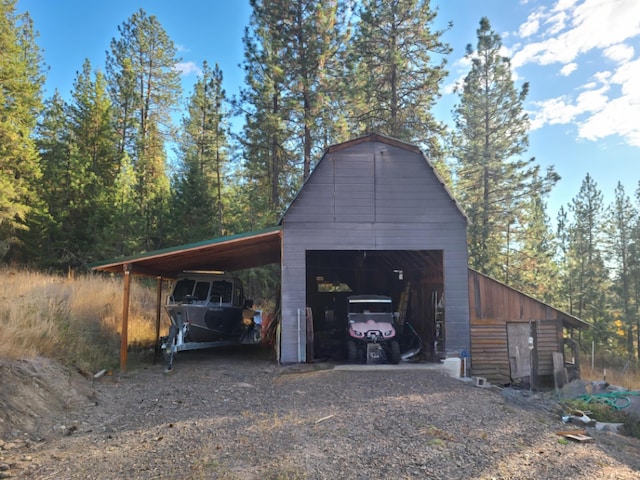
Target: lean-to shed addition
point(373, 218)
point(514, 337)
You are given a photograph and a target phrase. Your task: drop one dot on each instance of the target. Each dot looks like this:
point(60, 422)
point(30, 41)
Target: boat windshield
point(221, 291)
point(190, 290)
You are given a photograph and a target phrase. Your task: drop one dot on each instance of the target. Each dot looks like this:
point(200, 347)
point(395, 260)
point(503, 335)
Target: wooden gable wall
point(492, 306)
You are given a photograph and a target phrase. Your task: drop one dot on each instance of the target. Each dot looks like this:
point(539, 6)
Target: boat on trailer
point(208, 309)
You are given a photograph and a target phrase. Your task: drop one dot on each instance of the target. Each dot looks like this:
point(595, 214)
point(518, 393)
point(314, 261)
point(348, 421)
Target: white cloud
point(589, 34)
point(619, 53)
point(592, 24)
point(557, 22)
point(568, 69)
point(530, 27)
point(563, 110)
point(553, 111)
point(618, 116)
point(602, 77)
point(188, 68)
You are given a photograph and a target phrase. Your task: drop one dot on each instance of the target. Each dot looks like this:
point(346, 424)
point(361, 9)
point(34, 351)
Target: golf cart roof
point(369, 299)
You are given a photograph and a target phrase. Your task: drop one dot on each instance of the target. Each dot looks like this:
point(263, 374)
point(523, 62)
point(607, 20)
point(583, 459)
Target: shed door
point(519, 353)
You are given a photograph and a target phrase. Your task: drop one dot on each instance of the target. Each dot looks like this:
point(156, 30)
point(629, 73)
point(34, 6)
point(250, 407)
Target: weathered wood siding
point(373, 196)
point(548, 340)
point(491, 306)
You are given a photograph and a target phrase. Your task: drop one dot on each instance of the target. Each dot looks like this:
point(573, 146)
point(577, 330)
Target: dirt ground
point(236, 414)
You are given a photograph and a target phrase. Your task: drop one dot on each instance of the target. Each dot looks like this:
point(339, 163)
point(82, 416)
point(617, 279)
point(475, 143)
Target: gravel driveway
point(236, 414)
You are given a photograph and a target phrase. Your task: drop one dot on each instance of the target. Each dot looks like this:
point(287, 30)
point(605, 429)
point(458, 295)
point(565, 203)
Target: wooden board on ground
point(580, 438)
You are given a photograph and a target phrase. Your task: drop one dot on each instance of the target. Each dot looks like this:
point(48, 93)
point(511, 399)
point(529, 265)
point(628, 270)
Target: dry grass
point(74, 320)
point(628, 378)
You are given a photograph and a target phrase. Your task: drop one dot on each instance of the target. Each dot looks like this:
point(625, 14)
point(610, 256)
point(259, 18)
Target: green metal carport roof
point(236, 252)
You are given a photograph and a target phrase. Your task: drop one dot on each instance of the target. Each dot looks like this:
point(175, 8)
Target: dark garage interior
point(413, 279)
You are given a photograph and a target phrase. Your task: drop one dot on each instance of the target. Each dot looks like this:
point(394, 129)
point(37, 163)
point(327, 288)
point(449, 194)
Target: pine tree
point(199, 204)
point(145, 88)
point(314, 35)
point(68, 187)
point(586, 264)
point(53, 140)
point(21, 80)
point(492, 180)
point(565, 295)
point(293, 50)
point(95, 142)
point(269, 169)
point(397, 65)
point(634, 268)
point(532, 268)
point(622, 218)
point(92, 122)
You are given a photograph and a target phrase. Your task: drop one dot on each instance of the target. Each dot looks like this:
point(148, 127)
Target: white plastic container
point(452, 365)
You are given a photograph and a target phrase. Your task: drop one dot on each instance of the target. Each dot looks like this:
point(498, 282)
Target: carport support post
point(124, 340)
point(158, 306)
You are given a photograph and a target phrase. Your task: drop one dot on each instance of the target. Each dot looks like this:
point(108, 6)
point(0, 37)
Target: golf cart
point(371, 330)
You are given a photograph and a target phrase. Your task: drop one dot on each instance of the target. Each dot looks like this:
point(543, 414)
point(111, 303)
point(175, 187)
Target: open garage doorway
point(412, 278)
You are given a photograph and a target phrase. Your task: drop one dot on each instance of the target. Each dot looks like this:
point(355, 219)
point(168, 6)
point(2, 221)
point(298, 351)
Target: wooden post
point(158, 307)
point(124, 340)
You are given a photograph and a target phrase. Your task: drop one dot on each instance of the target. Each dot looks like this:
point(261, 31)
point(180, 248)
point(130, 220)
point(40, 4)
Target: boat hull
point(207, 323)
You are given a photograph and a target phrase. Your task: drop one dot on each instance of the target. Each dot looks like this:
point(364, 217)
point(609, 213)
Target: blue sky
point(580, 57)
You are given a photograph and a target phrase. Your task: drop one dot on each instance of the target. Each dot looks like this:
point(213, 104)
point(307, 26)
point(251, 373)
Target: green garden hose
point(615, 400)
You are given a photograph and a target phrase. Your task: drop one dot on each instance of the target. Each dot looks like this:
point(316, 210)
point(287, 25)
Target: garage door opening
point(412, 278)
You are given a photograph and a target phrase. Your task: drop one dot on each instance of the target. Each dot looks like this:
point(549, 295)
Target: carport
point(232, 253)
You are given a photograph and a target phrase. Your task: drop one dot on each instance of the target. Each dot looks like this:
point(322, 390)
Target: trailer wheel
point(352, 351)
point(395, 352)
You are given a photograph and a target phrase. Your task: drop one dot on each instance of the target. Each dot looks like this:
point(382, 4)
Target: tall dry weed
point(75, 320)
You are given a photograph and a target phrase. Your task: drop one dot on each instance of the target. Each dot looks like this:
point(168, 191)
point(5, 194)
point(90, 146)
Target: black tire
point(394, 346)
point(352, 351)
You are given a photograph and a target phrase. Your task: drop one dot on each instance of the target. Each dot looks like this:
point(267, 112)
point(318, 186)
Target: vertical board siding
point(383, 198)
point(547, 342)
point(492, 306)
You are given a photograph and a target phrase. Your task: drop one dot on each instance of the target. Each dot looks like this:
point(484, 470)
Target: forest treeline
point(106, 171)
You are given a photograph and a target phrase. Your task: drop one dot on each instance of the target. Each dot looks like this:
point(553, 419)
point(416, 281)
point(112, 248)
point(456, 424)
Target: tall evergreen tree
point(313, 35)
point(270, 171)
point(21, 80)
point(53, 139)
point(91, 118)
point(292, 52)
point(145, 88)
point(564, 298)
point(589, 276)
point(531, 267)
point(91, 115)
point(622, 218)
point(199, 206)
point(634, 268)
point(492, 180)
point(397, 62)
